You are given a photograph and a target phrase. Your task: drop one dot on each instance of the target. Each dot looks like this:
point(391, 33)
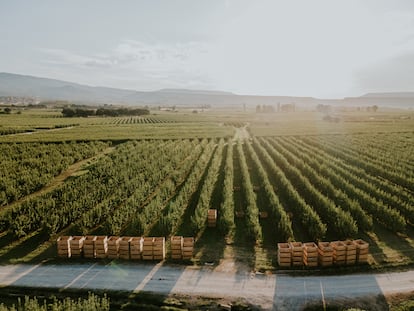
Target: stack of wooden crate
point(284, 254)
point(188, 248)
point(297, 253)
point(147, 248)
point(362, 250)
point(135, 248)
point(76, 245)
point(113, 247)
point(325, 254)
point(89, 246)
point(101, 246)
point(339, 252)
point(158, 248)
point(212, 218)
point(350, 252)
point(123, 251)
point(310, 254)
point(63, 246)
point(176, 247)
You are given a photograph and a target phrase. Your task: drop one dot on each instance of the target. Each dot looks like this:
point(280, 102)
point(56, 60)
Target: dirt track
point(277, 292)
point(241, 133)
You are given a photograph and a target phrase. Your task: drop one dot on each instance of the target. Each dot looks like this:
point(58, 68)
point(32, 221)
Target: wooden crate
point(158, 248)
point(325, 254)
point(63, 246)
point(76, 245)
point(310, 254)
point(351, 252)
point(176, 247)
point(135, 248)
point(176, 242)
point(297, 253)
point(123, 250)
point(212, 218)
point(63, 242)
point(188, 248)
point(362, 248)
point(101, 242)
point(147, 248)
point(101, 246)
point(284, 254)
point(89, 246)
point(339, 252)
point(113, 247)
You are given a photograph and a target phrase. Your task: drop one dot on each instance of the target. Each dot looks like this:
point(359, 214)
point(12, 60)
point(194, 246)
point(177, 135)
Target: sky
point(318, 48)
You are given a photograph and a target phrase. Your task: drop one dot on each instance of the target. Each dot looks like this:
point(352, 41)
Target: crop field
point(272, 178)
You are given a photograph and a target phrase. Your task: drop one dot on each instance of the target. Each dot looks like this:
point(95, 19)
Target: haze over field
point(322, 48)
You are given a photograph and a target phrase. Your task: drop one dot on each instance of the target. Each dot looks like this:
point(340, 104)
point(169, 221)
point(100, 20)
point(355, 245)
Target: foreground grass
point(74, 300)
point(35, 299)
point(398, 302)
point(92, 302)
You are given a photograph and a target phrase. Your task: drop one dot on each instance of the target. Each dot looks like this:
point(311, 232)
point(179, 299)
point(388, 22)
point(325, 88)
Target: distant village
point(18, 100)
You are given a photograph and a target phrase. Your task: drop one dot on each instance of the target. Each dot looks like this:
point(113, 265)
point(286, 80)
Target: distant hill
point(199, 92)
point(390, 95)
point(386, 99)
point(51, 89)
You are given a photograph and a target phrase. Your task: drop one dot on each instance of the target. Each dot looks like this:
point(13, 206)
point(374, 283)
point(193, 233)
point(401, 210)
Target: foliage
point(226, 216)
point(326, 183)
point(92, 303)
point(341, 222)
point(198, 220)
point(113, 112)
point(141, 212)
point(175, 209)
point(300, 158)
point(254, 231)
point(342, 177)
point(278, 213)
point(25, 168)
point(309, 219)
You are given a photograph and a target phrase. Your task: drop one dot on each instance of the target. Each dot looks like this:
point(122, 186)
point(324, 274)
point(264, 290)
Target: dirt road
point(270, 292)
point(241, 133)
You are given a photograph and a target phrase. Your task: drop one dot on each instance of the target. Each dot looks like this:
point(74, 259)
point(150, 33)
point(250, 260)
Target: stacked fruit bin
point(310, 254)
point(63, 247)
point(176, 247)
point(284, 254)
point(113, 247)
point(188, 248)
point(211, 218)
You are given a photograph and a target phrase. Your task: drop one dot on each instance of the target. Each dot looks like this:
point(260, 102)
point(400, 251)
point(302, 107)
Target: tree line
point(70, 112)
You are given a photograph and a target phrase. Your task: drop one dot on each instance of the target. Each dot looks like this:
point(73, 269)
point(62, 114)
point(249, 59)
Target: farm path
point(60, 179)
point(267, 291)
point(241, 133)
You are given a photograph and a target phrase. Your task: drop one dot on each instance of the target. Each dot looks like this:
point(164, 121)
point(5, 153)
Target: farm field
point(272, 178)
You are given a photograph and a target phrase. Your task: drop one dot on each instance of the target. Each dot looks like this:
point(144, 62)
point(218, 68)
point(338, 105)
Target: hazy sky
point(320, 48)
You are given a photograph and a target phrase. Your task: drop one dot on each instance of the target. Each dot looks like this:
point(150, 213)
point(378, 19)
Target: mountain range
point(51, 89)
